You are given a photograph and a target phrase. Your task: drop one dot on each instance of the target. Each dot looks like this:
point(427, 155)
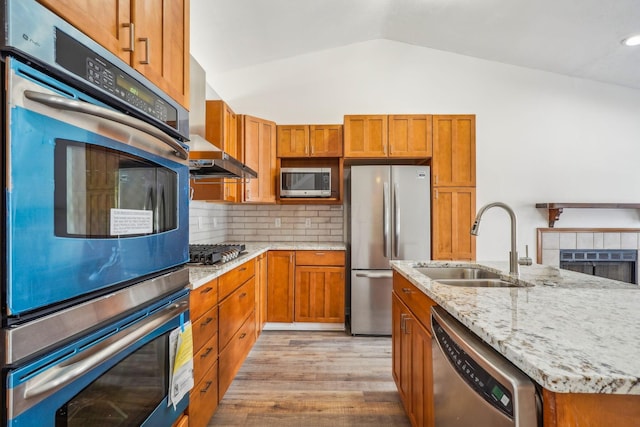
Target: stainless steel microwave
point(305, 182)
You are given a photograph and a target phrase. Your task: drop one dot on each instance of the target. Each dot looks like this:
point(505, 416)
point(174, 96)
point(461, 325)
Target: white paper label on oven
point(131, 221)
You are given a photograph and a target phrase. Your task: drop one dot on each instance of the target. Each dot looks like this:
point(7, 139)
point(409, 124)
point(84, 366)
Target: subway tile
point(567, 240)
point(550, 241)
point(629, 240)
point(598, 241)
point(611, 241)
point(584, 240)
point(551, 257)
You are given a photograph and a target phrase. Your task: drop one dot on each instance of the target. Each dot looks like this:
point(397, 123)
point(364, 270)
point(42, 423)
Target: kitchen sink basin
point(438, 273)
point(479, 283)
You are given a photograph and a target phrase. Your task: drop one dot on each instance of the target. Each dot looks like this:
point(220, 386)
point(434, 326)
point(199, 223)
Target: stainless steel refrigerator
point(390, 214)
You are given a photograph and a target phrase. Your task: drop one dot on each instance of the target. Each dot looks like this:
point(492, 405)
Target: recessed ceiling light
point(633, 40)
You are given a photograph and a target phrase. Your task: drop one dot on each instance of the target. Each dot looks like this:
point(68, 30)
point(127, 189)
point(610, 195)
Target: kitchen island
point(575, 335)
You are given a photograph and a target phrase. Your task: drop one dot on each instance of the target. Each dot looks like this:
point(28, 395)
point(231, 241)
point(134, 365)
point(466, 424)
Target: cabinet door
point(421, 388)
point(410, 136)
point(161, 49)
point(261, 292)
point(454, 151)
point(325, 140)
point(453, 214)
point(106, 21)
point(280, 266)
point(365, 136)
point(293, 141)
point(319, 294)
point(221, 128)
point(400, 349)
point(258, 142)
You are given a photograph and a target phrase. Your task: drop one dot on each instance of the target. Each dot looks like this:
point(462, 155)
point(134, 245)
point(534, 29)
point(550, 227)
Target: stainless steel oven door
point(95, 199)
point(116, 376)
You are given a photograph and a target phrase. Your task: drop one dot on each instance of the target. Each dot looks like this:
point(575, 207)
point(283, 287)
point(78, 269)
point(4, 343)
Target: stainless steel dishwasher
point(474, 385)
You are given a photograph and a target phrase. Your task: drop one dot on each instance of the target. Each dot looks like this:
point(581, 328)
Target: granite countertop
point(200, 274)
point(571, 333)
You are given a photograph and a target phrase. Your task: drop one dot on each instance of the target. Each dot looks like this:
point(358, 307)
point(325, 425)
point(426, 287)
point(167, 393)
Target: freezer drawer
point(371, 302)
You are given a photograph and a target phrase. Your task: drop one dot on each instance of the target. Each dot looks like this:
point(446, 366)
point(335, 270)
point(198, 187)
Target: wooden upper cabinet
point(221, 128)
point(293, 140)
point(258, 147)
point(454, 151)
point(309, 141)
point(453, 211)
point(365, 136)
point(410, 135)
point(150, 35)
point(325, 140)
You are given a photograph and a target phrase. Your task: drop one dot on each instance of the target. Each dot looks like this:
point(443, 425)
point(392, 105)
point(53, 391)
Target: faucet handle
point(525, 260)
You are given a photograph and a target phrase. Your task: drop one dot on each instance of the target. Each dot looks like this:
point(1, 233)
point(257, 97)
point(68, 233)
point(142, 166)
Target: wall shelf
point(555, 209)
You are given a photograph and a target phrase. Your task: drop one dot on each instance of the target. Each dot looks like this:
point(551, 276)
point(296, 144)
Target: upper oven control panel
point(96, 70)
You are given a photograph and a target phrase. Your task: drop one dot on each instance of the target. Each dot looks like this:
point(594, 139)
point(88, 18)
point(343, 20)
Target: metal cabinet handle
point(206, 290)
point(406, 290)
point(242, 269)
point(396, 221)
point(242, 295)
point(381, 275)
point(61, 103)
point(206, 353)
point(206, 389)
point(145, 40)
point(132, 37)
point(385, 219)
point(244, 334)
point(403, 322)
point(206, 322)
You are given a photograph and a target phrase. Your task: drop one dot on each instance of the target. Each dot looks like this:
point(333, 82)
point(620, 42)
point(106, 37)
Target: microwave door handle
point(59, 102)
point(63, 373)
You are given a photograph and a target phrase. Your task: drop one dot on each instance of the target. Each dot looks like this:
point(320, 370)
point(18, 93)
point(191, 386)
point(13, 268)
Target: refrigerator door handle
point(385, 218)
point(381, 275)
point(396, 221)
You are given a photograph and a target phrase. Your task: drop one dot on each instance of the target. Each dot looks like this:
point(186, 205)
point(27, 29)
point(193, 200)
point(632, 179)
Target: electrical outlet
point(307, 222)
point(278, 222)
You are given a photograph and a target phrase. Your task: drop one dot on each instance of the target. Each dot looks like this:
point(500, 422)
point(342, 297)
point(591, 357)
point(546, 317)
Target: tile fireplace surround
point(551, 240)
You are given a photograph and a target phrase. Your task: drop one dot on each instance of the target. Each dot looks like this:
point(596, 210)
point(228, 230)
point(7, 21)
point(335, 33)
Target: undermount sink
point(479, 283)
point(466, 273)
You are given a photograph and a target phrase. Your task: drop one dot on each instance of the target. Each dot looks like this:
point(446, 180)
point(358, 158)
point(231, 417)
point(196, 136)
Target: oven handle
point(55, 101)
point(63, 373)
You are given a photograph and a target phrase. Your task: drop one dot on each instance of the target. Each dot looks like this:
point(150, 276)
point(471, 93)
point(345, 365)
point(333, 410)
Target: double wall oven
point(94, 230)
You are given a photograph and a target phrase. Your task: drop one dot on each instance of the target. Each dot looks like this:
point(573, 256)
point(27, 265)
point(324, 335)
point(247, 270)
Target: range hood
point(206, 160)
point(215, 163)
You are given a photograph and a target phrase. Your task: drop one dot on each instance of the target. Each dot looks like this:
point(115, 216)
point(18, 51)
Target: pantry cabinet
point(453, 213)
point(258, 151)
point(454, 151)
point(150, 35)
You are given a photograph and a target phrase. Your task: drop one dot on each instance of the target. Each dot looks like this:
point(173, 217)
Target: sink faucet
point(513, 255)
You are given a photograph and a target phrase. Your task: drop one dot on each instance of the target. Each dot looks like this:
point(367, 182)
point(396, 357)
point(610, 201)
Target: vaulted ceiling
point(578, 38)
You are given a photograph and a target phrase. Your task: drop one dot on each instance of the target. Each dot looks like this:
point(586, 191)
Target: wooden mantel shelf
point(555, 209)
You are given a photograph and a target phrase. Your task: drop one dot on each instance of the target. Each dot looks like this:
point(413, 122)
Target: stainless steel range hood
point(205, 159)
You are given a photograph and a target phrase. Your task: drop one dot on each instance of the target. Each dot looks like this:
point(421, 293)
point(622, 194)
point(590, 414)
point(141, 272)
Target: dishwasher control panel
point(474, 375)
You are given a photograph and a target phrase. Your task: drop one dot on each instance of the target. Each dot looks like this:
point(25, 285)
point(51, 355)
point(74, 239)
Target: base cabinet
point(411, 351)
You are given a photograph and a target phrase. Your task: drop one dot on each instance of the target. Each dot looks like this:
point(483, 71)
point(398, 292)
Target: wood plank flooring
point(314, 379)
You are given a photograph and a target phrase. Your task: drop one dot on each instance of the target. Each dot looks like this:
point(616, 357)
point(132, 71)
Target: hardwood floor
point(314, 379)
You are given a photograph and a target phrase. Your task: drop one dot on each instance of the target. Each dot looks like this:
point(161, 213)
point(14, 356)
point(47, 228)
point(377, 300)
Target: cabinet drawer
point(203, 298)
point(233, 311)
point(204, 358)
point(203, 399)
point(232, 357)
point(416, 300)
point(319, 257)
point(234, 278)
point(204, 328)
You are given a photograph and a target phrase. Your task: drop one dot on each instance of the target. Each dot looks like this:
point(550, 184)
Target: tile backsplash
point(215, 222)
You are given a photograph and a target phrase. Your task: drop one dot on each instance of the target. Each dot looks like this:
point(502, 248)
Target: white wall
point(541, 137)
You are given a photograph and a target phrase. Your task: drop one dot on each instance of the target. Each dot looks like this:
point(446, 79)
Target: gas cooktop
point(214, 254)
